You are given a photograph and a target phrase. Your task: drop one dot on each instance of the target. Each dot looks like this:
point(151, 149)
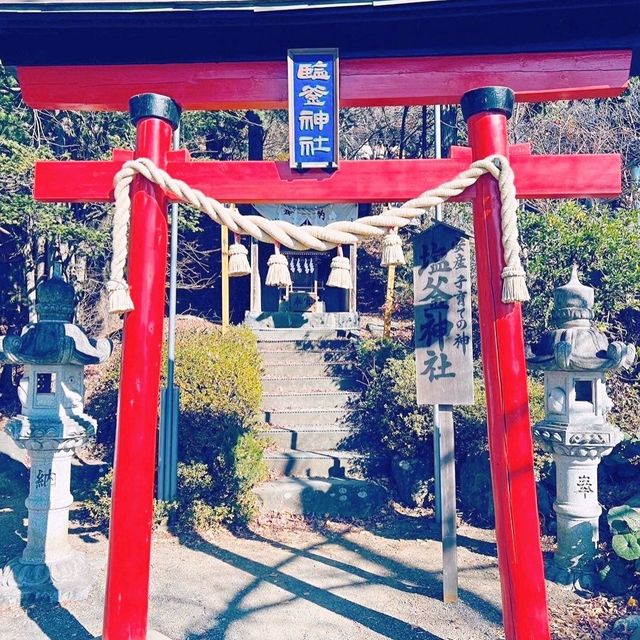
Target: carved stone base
point(64, 579)
point(578, 578)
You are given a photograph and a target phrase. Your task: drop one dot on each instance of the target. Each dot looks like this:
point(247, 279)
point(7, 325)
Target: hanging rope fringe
point(514, 280)
point(119, 297)
point(278, 274)
point(514, 285)
point(392, 249)
point(117, 287)
point(340, 275)
point(281, 232)
point(238, 262)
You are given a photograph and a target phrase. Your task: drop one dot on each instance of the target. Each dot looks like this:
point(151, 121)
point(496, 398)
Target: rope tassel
point(117, 287)
point(392, 249)
point(278, 274)
point(119, 297)
point(340, 275)
point(238, 262)
point(514, 284)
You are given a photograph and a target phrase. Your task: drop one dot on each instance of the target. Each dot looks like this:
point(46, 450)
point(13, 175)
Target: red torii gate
point(535, 77)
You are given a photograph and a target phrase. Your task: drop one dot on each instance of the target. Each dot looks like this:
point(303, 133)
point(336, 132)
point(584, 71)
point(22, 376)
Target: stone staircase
point(308, 385)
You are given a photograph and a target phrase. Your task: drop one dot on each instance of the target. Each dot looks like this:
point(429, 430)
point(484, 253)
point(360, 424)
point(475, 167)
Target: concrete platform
point(287, 417)
point(306, 437)
point(304, 356)
point(296, 398)
point(322, 496)
point(294, 370)
point(325, 383)
point(282, 343)
point(316, 324)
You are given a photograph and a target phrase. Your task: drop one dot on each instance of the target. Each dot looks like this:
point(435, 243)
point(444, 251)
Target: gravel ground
point(286, 579)
point(289, 581)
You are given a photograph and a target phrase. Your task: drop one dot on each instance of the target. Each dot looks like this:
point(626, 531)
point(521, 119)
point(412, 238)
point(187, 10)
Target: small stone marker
point(442, 302)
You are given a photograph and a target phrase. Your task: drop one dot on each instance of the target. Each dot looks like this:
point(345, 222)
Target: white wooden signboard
point(442, 302)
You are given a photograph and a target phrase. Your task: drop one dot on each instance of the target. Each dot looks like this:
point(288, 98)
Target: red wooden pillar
point(510, 441)
point(127, 592)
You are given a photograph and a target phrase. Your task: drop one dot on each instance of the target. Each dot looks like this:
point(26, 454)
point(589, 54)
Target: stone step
point(331, 344)
point(320, 333)
point(295, 371)
point(309, 417)
point(308, 356)
point(310, 464)
point(307, 400)
point(273, 384)
point(306, 437)
point(322, 496)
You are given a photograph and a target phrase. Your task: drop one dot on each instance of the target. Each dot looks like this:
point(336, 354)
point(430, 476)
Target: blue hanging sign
point(313, 108)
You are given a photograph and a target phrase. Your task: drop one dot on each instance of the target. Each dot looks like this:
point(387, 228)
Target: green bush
point(386, 419)
point(219, 451)
point(98, 504)
point(472, 453)
point(387, 422)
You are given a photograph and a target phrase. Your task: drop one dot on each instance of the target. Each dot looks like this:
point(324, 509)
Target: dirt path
point(289, 583)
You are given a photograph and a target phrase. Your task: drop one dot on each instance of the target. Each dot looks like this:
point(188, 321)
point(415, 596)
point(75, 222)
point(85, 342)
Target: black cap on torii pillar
point(154, 105)
point(492, 99)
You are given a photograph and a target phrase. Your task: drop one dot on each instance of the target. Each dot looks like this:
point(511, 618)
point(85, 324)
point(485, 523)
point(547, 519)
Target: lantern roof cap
point(573, 301)
point(55, 298)
point(576, 344)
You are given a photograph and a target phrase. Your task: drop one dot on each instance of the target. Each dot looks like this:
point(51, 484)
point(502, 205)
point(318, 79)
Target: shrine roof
point(46, 32)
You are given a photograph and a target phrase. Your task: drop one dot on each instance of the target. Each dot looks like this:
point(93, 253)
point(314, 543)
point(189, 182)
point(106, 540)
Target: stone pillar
point(353, 292)
point(48, 568)
point(255, 301)
point(577, 510)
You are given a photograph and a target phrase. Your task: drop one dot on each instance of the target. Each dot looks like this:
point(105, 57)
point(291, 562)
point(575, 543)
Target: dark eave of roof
point(53, 33)
point(181, 6)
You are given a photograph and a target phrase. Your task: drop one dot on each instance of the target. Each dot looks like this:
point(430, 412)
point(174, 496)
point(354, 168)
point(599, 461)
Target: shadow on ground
point(365, 568)
point(50, 617)
point(368, 586)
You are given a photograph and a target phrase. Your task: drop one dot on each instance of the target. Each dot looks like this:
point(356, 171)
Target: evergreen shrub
point(389, 423)
point(220, 455)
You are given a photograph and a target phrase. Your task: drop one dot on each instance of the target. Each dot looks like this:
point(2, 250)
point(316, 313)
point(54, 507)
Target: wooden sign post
point(444, 361)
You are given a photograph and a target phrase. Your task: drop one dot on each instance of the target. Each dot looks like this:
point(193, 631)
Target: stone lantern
point(51, 426)
point(574, 358)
